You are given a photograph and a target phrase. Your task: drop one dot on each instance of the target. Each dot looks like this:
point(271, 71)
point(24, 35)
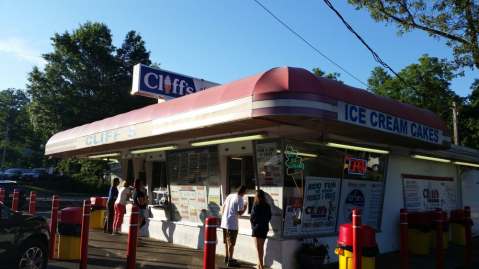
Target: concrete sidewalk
point(109, 251)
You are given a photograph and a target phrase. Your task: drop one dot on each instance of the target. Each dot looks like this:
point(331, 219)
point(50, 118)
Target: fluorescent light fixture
point(303, 154)
point(150, 150)
point(228, 140)
point(343, 146)
point(106, 155)
point(429, 158)
point(467, 164)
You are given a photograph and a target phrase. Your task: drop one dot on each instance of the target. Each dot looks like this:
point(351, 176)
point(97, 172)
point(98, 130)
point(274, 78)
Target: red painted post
point(15, 199)
point(32, 207)
point(439, 239)
point(403, 226)
point(132, 239)
point(2, 195)
point(357, 240)
point(53, 224)
point(85, 229)
point(209, 250)
point(468, 239)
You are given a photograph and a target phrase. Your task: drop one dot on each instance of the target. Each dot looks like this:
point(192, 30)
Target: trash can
point(458, 222)
point(68, 233)
point(345, 247)
point(445, 234)
point(98, 212)
point(420, 232)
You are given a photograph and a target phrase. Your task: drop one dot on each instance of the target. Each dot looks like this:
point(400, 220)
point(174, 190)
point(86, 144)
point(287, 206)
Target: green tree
point(456, 21)
point(429, 85)
point(320, 73)
point(469, 118)
point(19, 146)
point(86, 78)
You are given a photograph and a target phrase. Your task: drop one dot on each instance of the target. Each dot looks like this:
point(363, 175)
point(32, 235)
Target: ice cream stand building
point(316, 146)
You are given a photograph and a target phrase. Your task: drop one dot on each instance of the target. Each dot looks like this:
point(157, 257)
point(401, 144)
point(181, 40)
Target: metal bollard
point(2, 195)
point(403, 226)
point(132, 238)
point(15, 199)
point(209, 251)
point(357, 240)
point(85, 229)
point(439, 239)
point(32, 207)
point(53, 224)
point(468, 234)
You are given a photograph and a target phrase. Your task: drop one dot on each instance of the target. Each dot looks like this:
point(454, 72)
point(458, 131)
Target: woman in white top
point(120, 206)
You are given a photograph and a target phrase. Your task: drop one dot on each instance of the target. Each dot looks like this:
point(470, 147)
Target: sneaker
point(226, 260)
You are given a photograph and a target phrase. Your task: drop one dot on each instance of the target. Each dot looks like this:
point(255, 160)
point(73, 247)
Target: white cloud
point(20, 48)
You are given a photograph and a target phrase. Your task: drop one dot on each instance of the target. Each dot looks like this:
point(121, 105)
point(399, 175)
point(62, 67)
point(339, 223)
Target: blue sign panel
point(158, 83)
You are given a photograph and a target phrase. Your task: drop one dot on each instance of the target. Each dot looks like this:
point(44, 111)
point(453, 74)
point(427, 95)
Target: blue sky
point(216, 40)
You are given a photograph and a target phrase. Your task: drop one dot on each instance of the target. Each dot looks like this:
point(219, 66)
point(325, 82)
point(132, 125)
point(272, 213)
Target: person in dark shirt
point(140, 199)
point(112, 195)
point(260, 217)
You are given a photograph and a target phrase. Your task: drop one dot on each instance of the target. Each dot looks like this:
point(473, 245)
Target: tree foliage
point(19, 145)
point(456, 21)
point(320, 73)
point(429, 85)
point(86, 78)
point(469, 118)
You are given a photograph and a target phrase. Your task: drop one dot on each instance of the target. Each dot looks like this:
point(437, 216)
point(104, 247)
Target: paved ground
point(109, 251)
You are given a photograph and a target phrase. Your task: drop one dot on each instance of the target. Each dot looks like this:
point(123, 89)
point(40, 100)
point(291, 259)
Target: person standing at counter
point(140, 199)
point(233, 207)
point(120, 206)
point(260, 217)
point(112, 195)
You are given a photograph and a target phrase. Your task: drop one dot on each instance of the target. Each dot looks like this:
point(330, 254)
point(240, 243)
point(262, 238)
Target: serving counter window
point(363, 186)
point(312, 184)
point(322, 185)
point(194, 184)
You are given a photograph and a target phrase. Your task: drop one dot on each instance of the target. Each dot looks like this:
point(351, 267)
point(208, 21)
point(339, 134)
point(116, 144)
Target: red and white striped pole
point(439, 239)
point(15, 199)
point(2, 195)
point(357, 240)
point(85, 229)
point(403, 226)
point(32, 207)
point(53, 224)
point(209, 250)
point(468, 234)
point(132, 238)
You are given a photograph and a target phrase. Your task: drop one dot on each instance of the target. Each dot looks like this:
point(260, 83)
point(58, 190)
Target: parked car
point(13, 173)
point(34, 174)
point(23, 240)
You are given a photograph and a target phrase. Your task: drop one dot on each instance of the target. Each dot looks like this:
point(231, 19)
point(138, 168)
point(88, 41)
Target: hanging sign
point(163, 84)
point(357, 166)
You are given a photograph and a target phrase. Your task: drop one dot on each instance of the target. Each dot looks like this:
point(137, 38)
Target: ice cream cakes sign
point(163, 84)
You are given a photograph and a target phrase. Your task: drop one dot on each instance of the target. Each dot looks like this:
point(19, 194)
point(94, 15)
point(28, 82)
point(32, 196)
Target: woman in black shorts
point(260, 217)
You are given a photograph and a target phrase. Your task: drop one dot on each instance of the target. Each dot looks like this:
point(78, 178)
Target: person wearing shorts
point(233, 207)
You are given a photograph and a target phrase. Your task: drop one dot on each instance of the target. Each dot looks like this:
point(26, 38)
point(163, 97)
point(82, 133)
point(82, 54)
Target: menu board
point(317, 212)
point(426, 194)
point(193, 166)
point(188, 203)
point(270, 164)
point(363, 194)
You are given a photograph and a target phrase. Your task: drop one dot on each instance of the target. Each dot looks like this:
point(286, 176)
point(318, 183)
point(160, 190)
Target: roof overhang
point(280, 96)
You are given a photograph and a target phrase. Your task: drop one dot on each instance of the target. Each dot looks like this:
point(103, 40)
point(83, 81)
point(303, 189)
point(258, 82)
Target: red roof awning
point(284, 92)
